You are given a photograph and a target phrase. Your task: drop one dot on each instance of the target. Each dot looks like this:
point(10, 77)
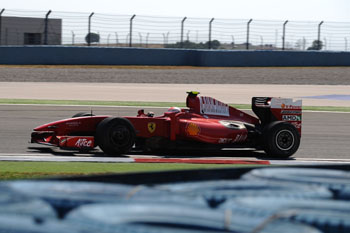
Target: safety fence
point(95, 29)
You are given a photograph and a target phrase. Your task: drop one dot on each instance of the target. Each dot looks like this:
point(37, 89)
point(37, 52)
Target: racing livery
point(205, 123)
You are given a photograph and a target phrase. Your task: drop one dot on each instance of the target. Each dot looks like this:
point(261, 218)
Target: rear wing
point(270, 109)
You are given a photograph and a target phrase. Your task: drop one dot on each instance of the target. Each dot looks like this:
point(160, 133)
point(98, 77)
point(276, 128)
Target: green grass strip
point(28, 170)
point(146, 104)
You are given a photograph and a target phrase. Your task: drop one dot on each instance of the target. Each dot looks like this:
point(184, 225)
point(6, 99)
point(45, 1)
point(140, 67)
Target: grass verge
point(28, 170)
point(146, 104)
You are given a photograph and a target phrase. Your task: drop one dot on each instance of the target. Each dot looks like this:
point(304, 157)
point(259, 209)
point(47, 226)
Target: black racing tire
point(280, 139)
point(115, 136)
point(82, 114)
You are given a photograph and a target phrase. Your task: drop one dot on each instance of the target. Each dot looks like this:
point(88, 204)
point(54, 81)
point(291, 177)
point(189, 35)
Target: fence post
point(284, 34)
point(73, 38)
point(247, 43)
point(319, 36)
point(130, 33)
point(261, 42)
point(210, 22)
point(147, 40)
point(1, 24)
point(89, 29)
point(182, 32)
point(233, 42)
point(346, 43)
point(140, 35)
point(46, 26)
point(108, 36)
point(116, 39)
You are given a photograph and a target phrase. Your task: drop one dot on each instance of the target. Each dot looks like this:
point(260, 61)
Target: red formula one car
point(205, 123)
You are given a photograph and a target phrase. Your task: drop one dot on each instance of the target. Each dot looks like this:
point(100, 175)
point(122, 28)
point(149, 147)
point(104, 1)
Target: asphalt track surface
point(325, 135)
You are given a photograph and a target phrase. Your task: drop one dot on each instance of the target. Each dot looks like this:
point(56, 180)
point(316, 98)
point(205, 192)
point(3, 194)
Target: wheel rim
point(121, 136)
point(285, 140)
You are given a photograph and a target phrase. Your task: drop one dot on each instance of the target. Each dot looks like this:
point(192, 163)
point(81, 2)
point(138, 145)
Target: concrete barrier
point(64, 55)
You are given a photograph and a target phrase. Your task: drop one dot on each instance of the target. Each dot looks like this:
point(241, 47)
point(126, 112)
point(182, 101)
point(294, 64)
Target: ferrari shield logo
point(192, 129)
point(151, 127)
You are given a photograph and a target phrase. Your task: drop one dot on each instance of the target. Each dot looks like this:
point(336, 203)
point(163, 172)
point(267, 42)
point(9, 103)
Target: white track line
point(95, 106)
point(52, 158)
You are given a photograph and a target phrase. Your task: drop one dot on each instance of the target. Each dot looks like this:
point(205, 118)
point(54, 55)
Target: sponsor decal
point(238, 138)
point(151, 127)
point(291, 112)
point(63, 141)
point(283, 106)
point(212, 106)
point(225, 140)
point(296, 125)
point(83, 142)
point(232, 124)
point(193, 129)
point(283, 103)
point(73, 123)
point(291, 118)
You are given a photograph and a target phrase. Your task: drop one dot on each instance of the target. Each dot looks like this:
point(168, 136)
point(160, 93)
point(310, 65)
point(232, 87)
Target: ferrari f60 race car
point(205, 123)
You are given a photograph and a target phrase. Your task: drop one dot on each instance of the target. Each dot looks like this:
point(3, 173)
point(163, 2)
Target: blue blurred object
point(329, 97)
point(336, 181)
point(156, 217)
point(264, 200)
point(15, 203)
point(219, 191)
point(330, 216)
point(65, 196)
point(25, 224)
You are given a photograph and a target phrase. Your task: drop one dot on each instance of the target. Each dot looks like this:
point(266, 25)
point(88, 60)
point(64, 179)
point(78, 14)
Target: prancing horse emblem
point(151, 127)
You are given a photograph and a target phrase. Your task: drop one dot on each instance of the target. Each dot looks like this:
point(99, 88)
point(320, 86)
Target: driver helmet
point(174, 109)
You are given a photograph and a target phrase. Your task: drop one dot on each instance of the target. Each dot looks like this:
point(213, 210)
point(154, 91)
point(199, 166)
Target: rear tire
point(280, 139)
point(115, 136)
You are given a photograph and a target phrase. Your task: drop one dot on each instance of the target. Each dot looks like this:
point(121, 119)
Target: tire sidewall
point(104, 133)
point(270, 138)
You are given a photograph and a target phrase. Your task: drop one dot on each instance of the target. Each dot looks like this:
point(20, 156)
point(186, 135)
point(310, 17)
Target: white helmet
point(174, 109)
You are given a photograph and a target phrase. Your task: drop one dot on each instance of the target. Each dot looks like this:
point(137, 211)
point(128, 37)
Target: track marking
point(200, 161)
point(95, 106)
point(51, 158)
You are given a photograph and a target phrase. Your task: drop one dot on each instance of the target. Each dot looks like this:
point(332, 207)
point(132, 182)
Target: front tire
point(280, 139)
point(115, 136)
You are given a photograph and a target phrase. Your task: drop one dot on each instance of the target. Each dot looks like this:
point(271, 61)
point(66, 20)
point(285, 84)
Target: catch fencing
point(95, 29)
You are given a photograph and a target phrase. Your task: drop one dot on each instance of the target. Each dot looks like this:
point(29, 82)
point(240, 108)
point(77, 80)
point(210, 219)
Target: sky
point(300, 10)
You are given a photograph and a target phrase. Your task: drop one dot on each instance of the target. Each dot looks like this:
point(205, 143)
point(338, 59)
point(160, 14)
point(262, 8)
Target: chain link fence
point(19, 27)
